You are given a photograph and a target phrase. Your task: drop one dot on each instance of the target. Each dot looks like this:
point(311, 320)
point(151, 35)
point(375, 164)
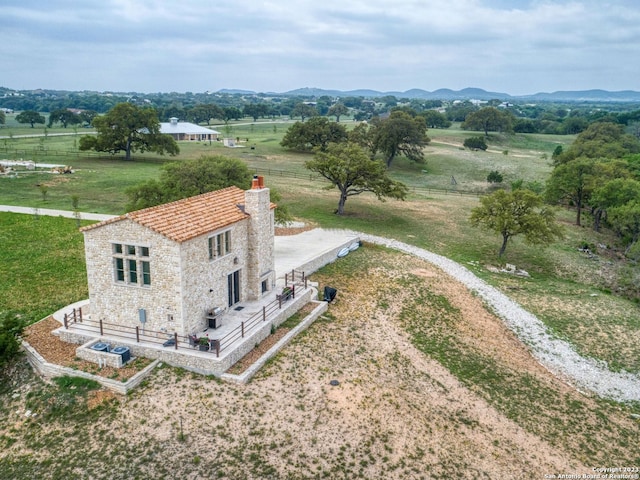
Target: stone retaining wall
point(324, 259)
point(258, 364)
point(50, 370)
point(205, 363)
point(108, 359)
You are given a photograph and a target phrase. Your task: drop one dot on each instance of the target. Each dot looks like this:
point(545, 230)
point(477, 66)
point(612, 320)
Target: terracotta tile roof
point(190, 217)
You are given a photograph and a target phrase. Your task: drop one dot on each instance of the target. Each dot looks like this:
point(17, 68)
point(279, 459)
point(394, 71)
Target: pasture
point(562, 280)
point(472, 387)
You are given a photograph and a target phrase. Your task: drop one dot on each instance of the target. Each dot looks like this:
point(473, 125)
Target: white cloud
point(159, 45)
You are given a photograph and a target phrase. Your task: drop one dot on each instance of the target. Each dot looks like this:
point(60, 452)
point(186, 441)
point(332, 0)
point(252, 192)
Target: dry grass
point(396, 413)
point(55, 351)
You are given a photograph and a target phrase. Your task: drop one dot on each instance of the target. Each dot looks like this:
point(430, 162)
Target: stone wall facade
point(119, 303)
point(260, 246)
point(185, 282)
point(203, 281)
point(203, 362)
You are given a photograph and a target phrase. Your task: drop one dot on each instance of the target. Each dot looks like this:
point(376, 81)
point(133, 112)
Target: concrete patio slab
point(308, 251)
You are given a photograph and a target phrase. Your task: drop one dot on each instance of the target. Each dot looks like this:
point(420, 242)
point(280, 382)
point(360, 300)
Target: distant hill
point(589, 96)
point(19, 99)
point(465, 94)
point(235, 91)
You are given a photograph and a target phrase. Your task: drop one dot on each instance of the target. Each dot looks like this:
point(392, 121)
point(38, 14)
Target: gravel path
point(556, 355)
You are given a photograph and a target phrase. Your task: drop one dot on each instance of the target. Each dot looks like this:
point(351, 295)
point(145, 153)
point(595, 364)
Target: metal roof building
point(187, 131)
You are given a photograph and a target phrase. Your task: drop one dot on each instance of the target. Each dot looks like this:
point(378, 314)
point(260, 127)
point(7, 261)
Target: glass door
point(233, 283)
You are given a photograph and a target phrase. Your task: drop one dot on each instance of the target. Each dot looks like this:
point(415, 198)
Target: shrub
point(11, 327)
point(494, 177)
point(475, 143)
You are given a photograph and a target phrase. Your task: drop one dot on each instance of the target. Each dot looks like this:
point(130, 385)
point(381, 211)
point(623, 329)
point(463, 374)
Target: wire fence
point(272, 172)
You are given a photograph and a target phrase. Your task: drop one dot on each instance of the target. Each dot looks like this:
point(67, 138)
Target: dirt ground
point(55, 351)
point(351, 397)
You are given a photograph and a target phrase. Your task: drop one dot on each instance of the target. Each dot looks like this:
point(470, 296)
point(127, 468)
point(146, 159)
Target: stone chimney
point(261, 267)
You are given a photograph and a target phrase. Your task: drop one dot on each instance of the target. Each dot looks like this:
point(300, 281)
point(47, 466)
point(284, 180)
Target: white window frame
point(219, 245)
point(131, 264)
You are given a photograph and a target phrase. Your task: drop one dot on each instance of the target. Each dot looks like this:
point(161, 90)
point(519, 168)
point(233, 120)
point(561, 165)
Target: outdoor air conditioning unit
point(124, 352)
point(101, 347)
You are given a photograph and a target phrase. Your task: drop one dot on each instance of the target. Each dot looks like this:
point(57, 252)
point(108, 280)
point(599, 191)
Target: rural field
point(431, 383)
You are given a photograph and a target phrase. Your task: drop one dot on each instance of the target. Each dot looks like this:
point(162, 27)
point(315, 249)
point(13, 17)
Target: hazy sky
point(512, 46)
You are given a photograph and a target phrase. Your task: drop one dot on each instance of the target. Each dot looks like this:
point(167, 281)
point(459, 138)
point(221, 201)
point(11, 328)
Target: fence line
point(186, 341)
point(258, 170)
point(414, 190)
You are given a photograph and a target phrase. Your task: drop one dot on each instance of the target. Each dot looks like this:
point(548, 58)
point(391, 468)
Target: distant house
point(166, 267)
point(187, 131)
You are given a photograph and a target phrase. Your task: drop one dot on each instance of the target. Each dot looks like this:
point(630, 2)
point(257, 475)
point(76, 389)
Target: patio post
point(101, 330)
point(175, 339)
point(66, 325)
point(137, 334)
point(264, 313)
point(242, 326)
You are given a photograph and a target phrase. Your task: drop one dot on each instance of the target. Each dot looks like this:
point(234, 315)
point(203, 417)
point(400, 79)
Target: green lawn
point(41, 264)
point(570, 293)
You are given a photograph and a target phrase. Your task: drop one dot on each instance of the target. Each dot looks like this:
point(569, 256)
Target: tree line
point(548, 118)
point(599, 173)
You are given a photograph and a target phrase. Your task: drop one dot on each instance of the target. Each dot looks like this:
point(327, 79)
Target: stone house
point(165, 268)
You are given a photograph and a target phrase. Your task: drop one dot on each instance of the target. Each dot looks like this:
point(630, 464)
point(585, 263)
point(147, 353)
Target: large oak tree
point(337, 110)
point(352, 172)
point(399, 134)
point(600, 140)
point(573, 182)
point(65, 117)
point(519, 212)
point(317, 132)
point(30, 116)
point(129, 128)
point(188, 178)
point(488, 119)
point(193, 177)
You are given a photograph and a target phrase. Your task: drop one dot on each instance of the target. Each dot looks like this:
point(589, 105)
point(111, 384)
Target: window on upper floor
point(131, 265)
point(219, 245)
